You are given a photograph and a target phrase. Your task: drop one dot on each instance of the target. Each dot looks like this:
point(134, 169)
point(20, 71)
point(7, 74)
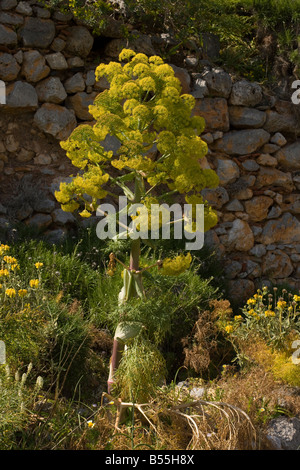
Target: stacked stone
point(252, 136)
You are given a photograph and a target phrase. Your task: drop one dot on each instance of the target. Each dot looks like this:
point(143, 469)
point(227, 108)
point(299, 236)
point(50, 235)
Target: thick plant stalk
point(133, 286)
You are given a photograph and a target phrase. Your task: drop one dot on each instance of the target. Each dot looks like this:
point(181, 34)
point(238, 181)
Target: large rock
point(37, 32)
point(277, 122)
point(240, 236)
point(184, 78)
point(79, 41)
point(284, 433)
point(39, 221)
point(215, 113)
point(8, 4)
point(11, 19)
point(242, 142)
point(273, 177)
point(21, 96)
point(242, 117)
point(257, 208)
point(141, 44)
point(277, 265)
point(51, 90)
point(245, 93)
point(227, 171)
point(7, 36)
point(289, 157)
point(285, 230)
point(218, 82)
point(55, 120)
point(9, 67)
point(80, 104)
point(34, 66)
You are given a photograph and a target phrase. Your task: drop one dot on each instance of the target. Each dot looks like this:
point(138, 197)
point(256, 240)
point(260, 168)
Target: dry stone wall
point(47, 62)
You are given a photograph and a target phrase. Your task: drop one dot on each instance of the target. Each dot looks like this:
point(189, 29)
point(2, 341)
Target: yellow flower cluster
point(142, 108)
point(177, 265)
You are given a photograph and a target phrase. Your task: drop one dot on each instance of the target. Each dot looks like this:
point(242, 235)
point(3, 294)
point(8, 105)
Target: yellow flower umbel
point(143, 109)
point(22, 292)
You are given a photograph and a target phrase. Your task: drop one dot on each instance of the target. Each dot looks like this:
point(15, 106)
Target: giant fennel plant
point(159, 148)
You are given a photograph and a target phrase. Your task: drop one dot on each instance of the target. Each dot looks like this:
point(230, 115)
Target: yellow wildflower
point(238, 317)
point(229, 328)
point(22, 292)
point(4, 272)
point(281, 304)
point(296, 298)
point(10, 292)
point(269, 313)
point(34, 283)
point(251, 301)
point(38, 265)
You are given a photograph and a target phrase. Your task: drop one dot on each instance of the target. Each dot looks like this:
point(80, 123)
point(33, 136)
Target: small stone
point(277, 264)
point(41, 12)
point(240, 236)
point(44, 205)
point(234, 206)
point(250, 165)
point(21, 95)
point(199, 89)
point(257, 208)
point(42, 159)
point(24, 9)
point(8, 4)
point(258, 250)
point(266, 159)
point(56, 61)
point(11, 143)
point(7, 36)
point(19, 57)
point(58, 45)
point(215, 113)
point(245, 93)
point(51, 90)
point(218, 82)
point(227, 171)
point(270, 148)
point(75, 83)
point(274, 213)
point(39, 221)
point(80, 103)
point(11, 19)
point(278, 139)
point(242, 142)
point(216, 197)
point(34, 66)
point(25, 155)
point(242, 117)
point(273, 177)
point(90, 78)
point(75, 62)
point(61, 217)
point(288, 156)
point(284, 230)
point(9, 68)
point(233, 269)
